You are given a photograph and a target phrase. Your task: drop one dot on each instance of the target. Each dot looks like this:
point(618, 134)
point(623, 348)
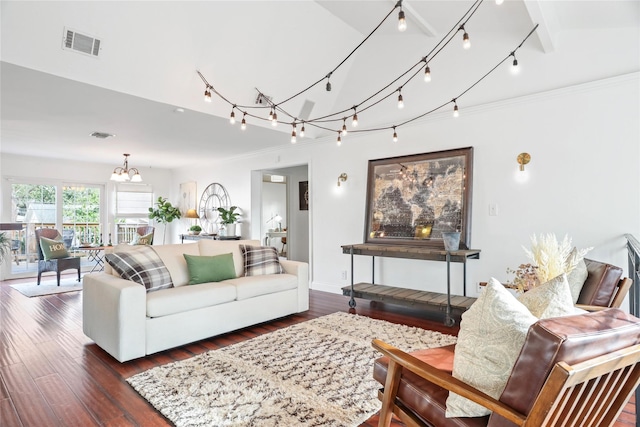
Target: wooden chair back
point(591, 393)
point(619, 294)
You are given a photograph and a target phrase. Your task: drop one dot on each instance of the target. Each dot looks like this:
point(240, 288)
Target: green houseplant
point(5, 246)
point(164, 212)
point(229, 218)
point(195, 229)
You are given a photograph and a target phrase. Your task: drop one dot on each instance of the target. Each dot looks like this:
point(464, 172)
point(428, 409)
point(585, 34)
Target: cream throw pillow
point(551, 299)
point(491, 336)
point(576, 279)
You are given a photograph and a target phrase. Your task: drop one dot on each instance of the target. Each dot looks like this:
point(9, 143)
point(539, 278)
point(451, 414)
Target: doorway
point(280, 208)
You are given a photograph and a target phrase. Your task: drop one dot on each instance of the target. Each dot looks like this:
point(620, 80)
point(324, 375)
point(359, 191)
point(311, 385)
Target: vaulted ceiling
point(145, 72)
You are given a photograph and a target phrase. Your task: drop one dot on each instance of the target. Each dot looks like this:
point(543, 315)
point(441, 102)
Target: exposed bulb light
point(271, 114)
point(354, 120)
point(499, 2)
point(456, 113)
point(293, 134)
point(243, 123)
point(232, 117)
point(515, 69)
point(400, 100)
point(395, 135)
point(339, 140)
point(402, 21)
point(274, 120)
point(344, 127)
point(207, 95)
point(427, 74)
point(328, 86)
point(466, 43)
point(302, 131)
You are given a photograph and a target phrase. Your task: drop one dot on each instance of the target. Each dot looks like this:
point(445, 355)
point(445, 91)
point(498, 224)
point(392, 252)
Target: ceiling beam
point(421, 22)
point(545, 19)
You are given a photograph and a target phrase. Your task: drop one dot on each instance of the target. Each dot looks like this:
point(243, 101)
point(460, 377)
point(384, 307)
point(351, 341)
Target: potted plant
point(195, 229)
point(5, 246)
point(229, 218)
point(164, 212)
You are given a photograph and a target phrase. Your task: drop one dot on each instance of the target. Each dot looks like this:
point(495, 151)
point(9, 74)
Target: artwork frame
point(412, 199)
point(303, 195)
point(188, 196)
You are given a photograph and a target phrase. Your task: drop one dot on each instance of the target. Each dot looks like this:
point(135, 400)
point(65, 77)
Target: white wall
point(584, 144)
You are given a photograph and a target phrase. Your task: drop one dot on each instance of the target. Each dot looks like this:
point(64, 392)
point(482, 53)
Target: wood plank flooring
point(51, 374)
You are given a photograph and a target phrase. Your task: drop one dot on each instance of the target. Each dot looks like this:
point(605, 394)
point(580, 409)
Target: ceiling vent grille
point(82, 43)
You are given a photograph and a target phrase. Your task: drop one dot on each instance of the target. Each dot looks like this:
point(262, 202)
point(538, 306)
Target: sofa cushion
point(172, 256)
point(260, 260)
point(142, 265)
point(571, 339)
point(422, 396)
point(53, 248)
point(186, 298)
point(601, 283)
point(218, 247)
point(491, 335)
point(203, 269)
point(253, 286)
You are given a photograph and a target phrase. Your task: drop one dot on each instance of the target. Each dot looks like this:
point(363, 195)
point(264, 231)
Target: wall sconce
point(523, 159)
point(342, 178)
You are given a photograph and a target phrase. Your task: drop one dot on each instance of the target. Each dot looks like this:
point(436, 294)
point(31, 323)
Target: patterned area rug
point(49, 287)
point(315, 373)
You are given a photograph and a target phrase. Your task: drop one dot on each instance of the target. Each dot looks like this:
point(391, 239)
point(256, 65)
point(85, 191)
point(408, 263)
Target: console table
point(409, 296)
point(184, 237)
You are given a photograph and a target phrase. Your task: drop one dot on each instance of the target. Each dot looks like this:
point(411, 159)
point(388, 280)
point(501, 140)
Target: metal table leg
point(352, 301)
point(448, 320)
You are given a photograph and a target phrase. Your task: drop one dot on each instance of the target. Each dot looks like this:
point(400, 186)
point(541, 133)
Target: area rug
point(48, 287)
point(315, 373)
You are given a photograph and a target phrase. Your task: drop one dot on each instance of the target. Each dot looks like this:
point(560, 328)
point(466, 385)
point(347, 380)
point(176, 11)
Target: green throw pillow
point(203, 269)
point(53, 249)
point(147, 239)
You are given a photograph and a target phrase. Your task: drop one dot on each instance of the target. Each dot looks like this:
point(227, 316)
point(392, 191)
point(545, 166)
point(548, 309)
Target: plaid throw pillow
point(141, 265)
point(259, 260)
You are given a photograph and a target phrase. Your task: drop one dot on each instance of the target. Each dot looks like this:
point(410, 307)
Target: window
point(132, 210)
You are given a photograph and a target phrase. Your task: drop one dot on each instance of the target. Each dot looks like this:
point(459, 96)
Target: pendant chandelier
point(122, 174)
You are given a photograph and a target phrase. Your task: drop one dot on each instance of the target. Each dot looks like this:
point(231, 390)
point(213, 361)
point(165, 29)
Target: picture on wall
point(304, 195)
point(412, 200)
point(188, 196)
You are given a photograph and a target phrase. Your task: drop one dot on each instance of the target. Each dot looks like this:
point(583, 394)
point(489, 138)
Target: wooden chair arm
point(446, 381)
point(591, 307)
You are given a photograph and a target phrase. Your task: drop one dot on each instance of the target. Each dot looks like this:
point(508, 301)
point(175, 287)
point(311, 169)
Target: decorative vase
point(451, 240)
point(230, 230)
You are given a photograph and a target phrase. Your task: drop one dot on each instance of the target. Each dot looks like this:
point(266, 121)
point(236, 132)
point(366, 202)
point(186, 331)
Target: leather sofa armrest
point(399, 360)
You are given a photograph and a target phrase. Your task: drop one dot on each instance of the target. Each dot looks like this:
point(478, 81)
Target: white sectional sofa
point(128, 322)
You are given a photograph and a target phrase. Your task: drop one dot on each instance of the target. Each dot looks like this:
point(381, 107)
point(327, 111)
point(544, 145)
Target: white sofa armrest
point(301, 270)
point(114, 315)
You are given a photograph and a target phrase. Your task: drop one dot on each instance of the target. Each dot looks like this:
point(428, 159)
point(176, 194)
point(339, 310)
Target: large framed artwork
point(412, 200)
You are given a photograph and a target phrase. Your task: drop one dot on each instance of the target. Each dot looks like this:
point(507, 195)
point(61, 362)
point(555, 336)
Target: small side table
point(94, 254)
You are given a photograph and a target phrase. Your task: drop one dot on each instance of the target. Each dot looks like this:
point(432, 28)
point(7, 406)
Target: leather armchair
point(582, 367)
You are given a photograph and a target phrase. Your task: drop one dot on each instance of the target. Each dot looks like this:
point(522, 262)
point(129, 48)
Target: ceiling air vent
point(101, 135)
point(82, 43)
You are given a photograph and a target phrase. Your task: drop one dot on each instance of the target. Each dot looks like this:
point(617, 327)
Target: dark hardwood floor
point(51, 374)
